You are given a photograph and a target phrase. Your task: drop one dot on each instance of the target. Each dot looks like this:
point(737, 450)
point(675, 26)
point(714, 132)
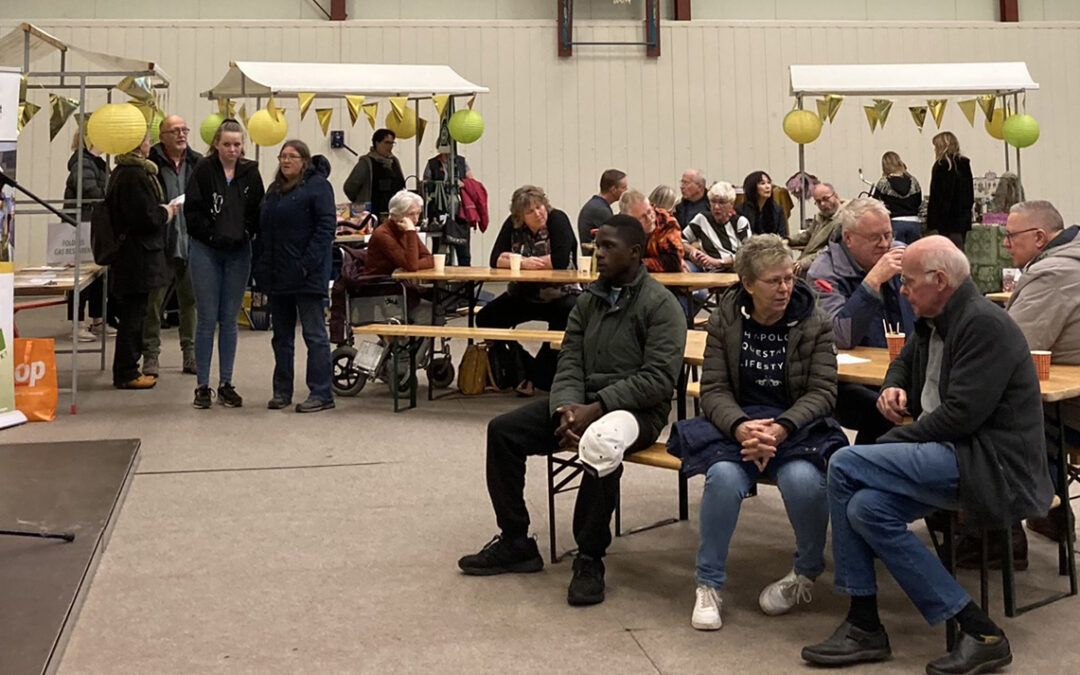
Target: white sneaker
point(85, 335)
point(707, 609)
point(780, 596)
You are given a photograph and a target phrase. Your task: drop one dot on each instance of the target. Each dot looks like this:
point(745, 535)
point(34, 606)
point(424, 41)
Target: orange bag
point(36, 391)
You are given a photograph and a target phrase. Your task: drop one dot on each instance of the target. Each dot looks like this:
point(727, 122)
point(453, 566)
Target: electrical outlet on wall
point(337, 139)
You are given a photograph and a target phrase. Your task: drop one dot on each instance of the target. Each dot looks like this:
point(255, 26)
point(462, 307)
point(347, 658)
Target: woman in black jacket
point(221, 209)
point(901, 194)
point(292, 265)
point(134, 200)
point(95, 176)
point(764, 214)
point(952, 192)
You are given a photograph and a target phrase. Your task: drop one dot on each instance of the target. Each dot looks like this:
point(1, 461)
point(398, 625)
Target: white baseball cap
point(604, 443)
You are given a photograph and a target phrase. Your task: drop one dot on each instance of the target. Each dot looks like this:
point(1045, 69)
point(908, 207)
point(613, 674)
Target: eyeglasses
point(1009, 235)
point(909, 282)
point(774, 282)
point(822, 200)
point(884, 237)
point(288, 158)
point(179, 131)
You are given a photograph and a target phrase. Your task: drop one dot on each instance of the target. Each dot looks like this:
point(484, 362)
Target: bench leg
point(551, 506)
point(684, 499)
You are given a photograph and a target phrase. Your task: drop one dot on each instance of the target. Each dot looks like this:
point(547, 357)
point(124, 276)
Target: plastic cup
point(585, 265)
point(440, 262)
point(515, 263)
point(896, 344)
point(1009, 277)
point(1042, 363)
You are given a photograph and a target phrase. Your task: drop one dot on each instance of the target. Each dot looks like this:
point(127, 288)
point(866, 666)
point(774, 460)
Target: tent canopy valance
point(246, 79)
point(912, 79)
point(26, 45)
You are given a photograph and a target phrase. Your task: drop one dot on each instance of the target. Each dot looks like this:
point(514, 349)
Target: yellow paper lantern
point(1020, 131)
point(995, 123)
point(405, 127)
point(265, 131)
point(802, 126)
point(210, 126)
point(117, 128)
point(466, 126)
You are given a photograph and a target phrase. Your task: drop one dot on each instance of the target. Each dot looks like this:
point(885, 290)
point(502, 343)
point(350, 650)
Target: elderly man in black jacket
point(976, 444)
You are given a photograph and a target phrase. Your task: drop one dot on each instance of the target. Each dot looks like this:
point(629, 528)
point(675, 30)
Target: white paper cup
point(585, 265)
point(515, 263)
point(440, 262)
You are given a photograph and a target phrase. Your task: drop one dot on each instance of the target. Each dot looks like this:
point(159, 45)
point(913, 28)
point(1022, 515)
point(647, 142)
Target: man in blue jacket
point(858, 283)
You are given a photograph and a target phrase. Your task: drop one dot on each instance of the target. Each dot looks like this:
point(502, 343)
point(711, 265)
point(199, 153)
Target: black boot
point(587, 585)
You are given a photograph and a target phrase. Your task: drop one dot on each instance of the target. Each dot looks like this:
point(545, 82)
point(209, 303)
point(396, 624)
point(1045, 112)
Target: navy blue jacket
point(296, 235)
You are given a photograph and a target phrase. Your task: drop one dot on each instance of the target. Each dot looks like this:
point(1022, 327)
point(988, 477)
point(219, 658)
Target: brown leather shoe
point(1050, 525)
point(140, 382)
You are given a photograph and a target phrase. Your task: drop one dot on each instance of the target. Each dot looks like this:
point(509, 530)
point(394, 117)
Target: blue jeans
point(907, 231)
point(802, 485)
point(219, 279)
point(874, 492)
point(311, 309)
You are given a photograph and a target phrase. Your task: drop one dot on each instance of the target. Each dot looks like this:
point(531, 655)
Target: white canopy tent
point(910, 79)
point(28, 44)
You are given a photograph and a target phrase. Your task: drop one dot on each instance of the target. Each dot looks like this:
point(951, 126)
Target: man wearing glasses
point(175, 161)
point(815, 238)
point(377, 175)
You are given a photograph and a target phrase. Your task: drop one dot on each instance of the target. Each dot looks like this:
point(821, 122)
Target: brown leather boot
point(1051, 525)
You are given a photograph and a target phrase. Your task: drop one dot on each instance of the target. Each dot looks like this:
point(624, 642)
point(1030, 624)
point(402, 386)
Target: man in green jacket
point(620, 359)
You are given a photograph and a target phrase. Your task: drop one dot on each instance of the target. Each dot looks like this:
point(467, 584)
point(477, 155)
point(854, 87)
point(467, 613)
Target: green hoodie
point(627, 356)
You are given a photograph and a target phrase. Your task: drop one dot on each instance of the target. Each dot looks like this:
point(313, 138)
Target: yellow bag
point(36, 391)
point(474, 372)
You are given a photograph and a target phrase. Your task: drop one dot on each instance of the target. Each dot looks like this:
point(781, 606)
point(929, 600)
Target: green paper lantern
point(1020, 131)
point(802, 126)
point(155, 127)
point(265, 131)
point(210, 126)
point(466, 126)
point(116, 128)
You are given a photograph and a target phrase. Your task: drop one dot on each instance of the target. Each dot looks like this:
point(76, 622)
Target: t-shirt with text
point(762, 378)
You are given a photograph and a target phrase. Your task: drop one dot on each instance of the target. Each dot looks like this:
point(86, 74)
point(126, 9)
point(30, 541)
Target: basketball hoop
point(620, 2)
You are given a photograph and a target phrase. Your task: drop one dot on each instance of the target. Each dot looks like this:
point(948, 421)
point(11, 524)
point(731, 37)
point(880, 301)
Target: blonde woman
point(902, 195)
point(663, 197)
point(952, 193)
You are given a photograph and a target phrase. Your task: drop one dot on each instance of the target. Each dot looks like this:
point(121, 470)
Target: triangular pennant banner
point(60, 110)
point(421, 125)
point(227, 108)
point(273, 109)
point(937, 109)
point(324, 115)
point(243, 114)
point(356, 104)
point(22, 89)
point(987, 103)
point(834, 102)
point(822, 109)
point(871, 116)
point(440, 101)
point(918, 113)
point(472, 100)
point(146, 109)
point(26, 113)
point(370, 111)
point(137, 88)
point(305, 103)
point(882, 106)
point(968, 108)
point(398, 104)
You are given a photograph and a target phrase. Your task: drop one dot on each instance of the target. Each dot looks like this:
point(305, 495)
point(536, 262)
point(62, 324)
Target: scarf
point(132, 159)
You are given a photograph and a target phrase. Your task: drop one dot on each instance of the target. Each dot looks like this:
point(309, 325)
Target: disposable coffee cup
point(1009, 277)
point(440, 262)
point(1042, 363)
point(585, 265)
point(896, 344)
point(515, 263)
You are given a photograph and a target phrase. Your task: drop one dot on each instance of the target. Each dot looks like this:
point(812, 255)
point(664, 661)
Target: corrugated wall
point(715, 100)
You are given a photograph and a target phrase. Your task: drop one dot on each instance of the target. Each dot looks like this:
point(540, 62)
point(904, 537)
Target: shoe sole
point(325, 406)
point(585, 600)
point(707, 626)
point(271, 406)
point(865, 656)
point(524, 567)
point(231, 405)
point(987, 667)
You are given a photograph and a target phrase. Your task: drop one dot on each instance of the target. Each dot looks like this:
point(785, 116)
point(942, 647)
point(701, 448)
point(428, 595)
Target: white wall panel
point(715, 100)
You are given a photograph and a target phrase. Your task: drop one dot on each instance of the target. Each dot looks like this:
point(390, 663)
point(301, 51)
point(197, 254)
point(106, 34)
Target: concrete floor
point(256, 541)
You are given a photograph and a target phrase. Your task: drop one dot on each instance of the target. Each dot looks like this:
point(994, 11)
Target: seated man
point(815, 238)
point(858, 282)
point(1046, 306)
point(598, 209)
point(663, 250)
point(976, 444)
point(692, 187)
point(621, 356)
point(712, 238)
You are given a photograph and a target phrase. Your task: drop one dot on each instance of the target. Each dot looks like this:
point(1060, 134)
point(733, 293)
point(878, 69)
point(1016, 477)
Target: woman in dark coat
point(136, 209)
point(292, 265)
point(764, 214)
point(952, 192)
point(95, 176)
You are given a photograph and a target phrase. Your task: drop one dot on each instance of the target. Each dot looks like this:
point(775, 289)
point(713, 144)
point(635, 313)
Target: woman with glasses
point(712, 238)
point(768, 389)
point(952, 191)
point(291, 264)
point(222, 211)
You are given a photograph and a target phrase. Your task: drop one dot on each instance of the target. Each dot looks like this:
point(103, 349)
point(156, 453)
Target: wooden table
point(352, 239)
point(415, 330)
point(57, 280)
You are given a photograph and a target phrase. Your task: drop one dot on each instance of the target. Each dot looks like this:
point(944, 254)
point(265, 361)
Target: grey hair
point(828, 185)
point(949, 260)
point(854, 210)
point(1046, 217)
point(722, 190)
point(663, 197)
point(630, 199)
point(698, 176)
point(402, 202)
point(761, 252)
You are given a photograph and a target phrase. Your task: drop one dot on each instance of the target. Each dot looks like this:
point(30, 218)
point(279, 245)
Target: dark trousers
point(284, 310)
point(958, 238)
point(92, 296)
point(856, 408)
point(507, 311)
point(128, 347)
point(530, 430)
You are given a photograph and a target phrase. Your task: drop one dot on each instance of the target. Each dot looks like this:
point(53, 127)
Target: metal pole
point(1003, 143)
point(76, 301)
point(802, 173)
point(1019, 178)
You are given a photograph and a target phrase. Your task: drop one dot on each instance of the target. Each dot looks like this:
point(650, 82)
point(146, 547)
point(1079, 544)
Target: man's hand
point(797, 268)
point(892, 404)
point(886, 268)
point(576, 418)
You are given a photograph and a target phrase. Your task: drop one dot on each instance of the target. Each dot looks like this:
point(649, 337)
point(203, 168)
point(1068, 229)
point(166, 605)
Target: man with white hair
point(692, 187)
point(976, 444)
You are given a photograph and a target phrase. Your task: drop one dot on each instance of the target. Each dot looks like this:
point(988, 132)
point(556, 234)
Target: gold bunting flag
point(370, 111)
point(227, 108)
point(60, 110)
point(440, 101)
point(146, 109)
point(871, 116)
point(273, 109)
point(421, 125)
point(822, 109)
point(324, 115)
point(918, 113)
point(968, 107)
point(137, 88)
point(987, 102)
point(305, 103)
point(243, 115)
point(22, 89)
point(882, 106)
point(398, 104)
point(26, 113)
point(356, 104)
point(472, 100)
point(937, 109)
point(833, 101)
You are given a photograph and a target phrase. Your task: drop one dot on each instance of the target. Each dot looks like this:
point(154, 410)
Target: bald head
point(932, 270)
point(172, 137)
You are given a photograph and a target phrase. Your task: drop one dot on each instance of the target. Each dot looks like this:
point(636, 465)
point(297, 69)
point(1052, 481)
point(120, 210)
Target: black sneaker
point(587, 585)
point(228, 396)
point(314, 405)
point(973, 655)
point(278, 402)
point(849, 645)
point(500, 556)
point(204, 397)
